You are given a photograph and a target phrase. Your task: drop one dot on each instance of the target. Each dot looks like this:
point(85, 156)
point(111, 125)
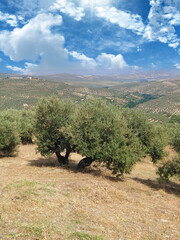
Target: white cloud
point(35, 42)
point(69, 8)
point(33, 39)
point(103, 61)
point(15, 69)
point(93, 3)
point(85, 61)
point(28, 69)
point(163, 16)
point(123, 19)
point(110, 61)
point(177, 66)
point(8, 19)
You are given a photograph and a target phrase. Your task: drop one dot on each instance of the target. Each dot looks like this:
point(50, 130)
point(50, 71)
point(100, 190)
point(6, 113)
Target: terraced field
point(166, 104)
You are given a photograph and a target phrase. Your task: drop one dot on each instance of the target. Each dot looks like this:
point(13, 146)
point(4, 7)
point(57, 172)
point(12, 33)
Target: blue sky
point(89, 36)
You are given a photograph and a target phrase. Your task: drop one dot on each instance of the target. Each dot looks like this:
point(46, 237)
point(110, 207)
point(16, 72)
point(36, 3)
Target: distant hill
point(109, 80)
point(161, 87)
point(155, 97)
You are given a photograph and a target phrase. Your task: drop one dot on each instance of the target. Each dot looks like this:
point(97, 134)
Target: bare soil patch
point(41, 200)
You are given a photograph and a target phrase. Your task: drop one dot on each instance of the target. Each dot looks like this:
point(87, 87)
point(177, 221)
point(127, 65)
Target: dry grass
point(41, 200)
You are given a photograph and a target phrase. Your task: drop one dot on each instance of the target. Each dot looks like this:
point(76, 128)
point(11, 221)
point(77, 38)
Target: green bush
point(9, 136)
point(53, 127)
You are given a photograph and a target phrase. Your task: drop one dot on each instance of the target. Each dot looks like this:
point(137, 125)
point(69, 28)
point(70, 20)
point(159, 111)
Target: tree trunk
point(61, 159)
point(68, 151)
point(85, 162)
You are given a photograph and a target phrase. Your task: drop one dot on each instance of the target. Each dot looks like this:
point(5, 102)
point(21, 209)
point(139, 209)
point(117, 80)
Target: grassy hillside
point(40, 200)
point(14, 93)
point(161, 98)
point(159, 88)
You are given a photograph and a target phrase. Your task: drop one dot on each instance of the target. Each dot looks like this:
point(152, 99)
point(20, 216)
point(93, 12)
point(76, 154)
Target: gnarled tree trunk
point(68, 151)
point(61, 159)
point(85, 162)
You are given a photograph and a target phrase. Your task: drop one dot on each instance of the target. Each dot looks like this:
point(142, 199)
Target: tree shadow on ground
point(44, 162)
point(72, 167)
point(5, 155)
point(169, 187)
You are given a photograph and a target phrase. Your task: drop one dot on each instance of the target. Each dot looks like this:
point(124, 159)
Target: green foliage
point(23, 120)
point(101, 133)
point(26, 126)
point(136, 98)
point(152, 137)
point(52, 125)
point(169, 169)
point(176, 141)
point(9, 136)
point(175, 119)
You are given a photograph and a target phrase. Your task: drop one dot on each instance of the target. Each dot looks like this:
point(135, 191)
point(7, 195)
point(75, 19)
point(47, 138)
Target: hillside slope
point(40, 200)
point(154, 96)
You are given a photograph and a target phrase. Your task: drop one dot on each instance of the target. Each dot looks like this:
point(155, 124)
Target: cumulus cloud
point(68, 8)
point(15, 69)
point(123, 19)
point(93, 3)
point(102, 61)
point(8, 19)
point(110, 61)
point(36, 42)
point(44, 51)
point(28, 68)
point(163, 16)
point(34, 39)
point(177, 66)
point(85, 61)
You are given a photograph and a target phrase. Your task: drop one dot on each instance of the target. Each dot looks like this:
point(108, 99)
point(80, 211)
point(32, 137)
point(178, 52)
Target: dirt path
point(41, 200)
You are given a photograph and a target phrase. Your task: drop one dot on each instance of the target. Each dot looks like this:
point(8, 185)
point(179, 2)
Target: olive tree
point(26, 128)
point(9, 136)
point(171, 168)
point(23, 120)
point(53, 127)
point(152, 137)
point(101, 134)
